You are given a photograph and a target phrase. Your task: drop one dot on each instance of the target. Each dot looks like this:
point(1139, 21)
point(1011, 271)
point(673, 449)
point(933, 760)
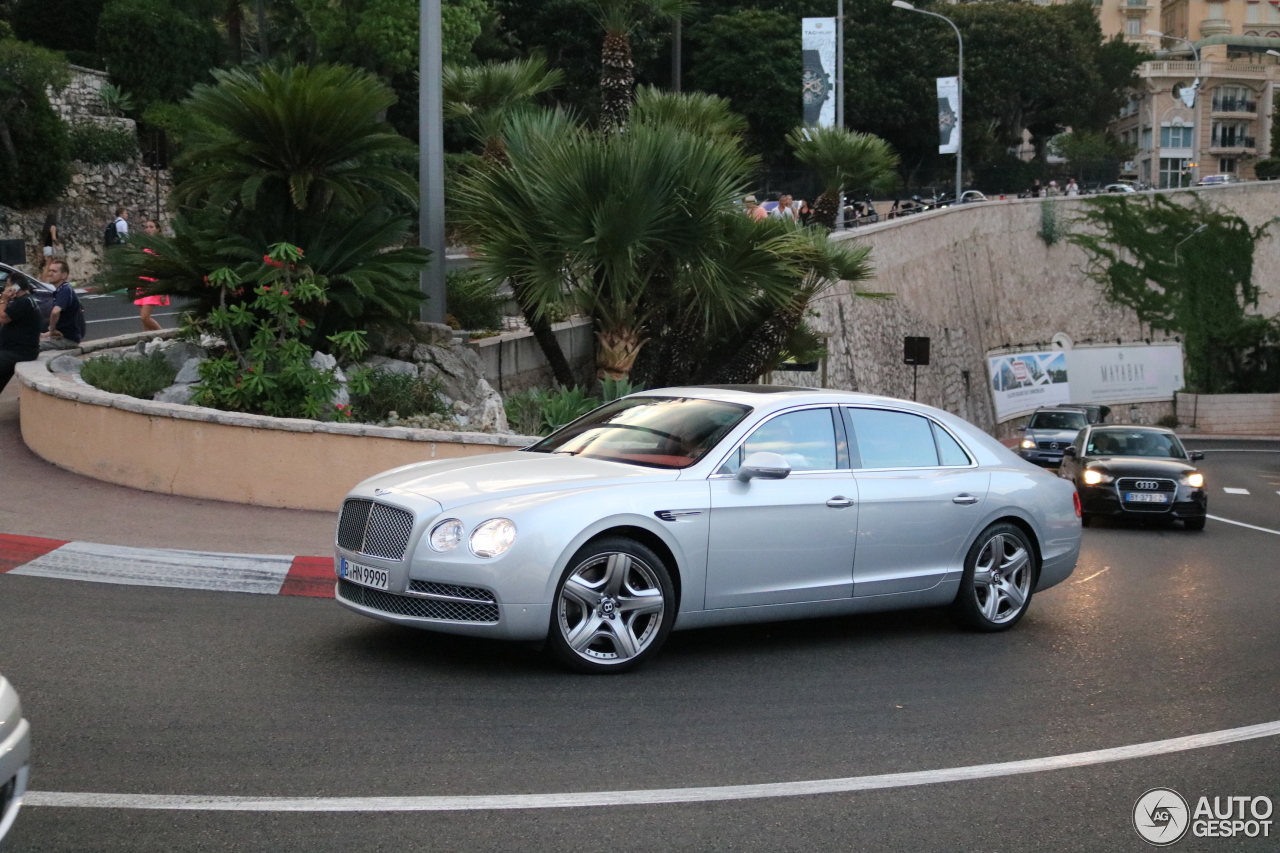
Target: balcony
point(1235, 105)
point(1232, 144)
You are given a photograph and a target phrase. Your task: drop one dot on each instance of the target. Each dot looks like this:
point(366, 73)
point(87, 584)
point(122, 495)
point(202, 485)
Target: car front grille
point(374, 529)
point(418, 607)
point(447, 590)
point(1146, 484)
point(1056, 446)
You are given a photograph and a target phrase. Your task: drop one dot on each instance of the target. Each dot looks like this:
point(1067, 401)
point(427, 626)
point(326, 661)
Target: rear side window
point(887, 439)
point(949, 450)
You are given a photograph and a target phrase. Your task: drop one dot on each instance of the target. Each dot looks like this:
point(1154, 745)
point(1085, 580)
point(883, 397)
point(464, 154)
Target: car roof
point(1141, 427)
point(778, 396)
point(1061, 408)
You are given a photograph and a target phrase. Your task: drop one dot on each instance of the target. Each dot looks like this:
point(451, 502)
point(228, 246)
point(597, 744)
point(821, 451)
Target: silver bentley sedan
point(690, 507)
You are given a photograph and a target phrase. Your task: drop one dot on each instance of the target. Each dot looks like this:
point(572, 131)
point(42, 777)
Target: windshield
point(1057, 420)
point(660, 432)
point(1119, 442)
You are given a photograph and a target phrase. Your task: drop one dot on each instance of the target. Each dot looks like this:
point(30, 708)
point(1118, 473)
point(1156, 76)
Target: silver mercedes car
point(15, 755)
point(690, 507)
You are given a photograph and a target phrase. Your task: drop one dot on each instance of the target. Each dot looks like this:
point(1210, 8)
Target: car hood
point(1139, 466)
point(1064, 435)
point(452, 482)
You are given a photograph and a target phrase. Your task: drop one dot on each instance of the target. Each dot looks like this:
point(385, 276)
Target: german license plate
point(365, 575)
point(1146, 498)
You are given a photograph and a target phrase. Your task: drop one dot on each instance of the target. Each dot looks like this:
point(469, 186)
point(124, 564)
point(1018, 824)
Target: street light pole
point(677, 39)
point(431, 160)
point(903, 4)
point(1195, 87)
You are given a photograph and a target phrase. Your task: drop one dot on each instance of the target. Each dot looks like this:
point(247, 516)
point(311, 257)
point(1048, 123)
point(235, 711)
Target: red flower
point(147, 278)
point(285, 292)
point(149, 251)
point(266, 259)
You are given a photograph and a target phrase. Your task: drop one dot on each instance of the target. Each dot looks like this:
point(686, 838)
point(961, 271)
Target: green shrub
point(154, 51)
point(127, 374)
point(397, 395)
point(538, 412)
point(39, 138)
point(524, 411)
point(474, 301)
point(66, 25)
point(1167, 421)
point(1268, 168)
point(93, 144)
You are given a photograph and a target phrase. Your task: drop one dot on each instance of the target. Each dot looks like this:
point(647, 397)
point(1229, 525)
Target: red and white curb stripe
point(266, 574)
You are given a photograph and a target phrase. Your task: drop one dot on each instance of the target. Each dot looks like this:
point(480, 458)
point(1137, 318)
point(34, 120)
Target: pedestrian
point(19, 327)
point(805, 213)
point(1053, 190)
point(49, 243)
point(785, 209)
point(66, 320)
point(118, 231)
point(1036, 190)
point(147, 304)
point(1072, 187)
point(753, 208)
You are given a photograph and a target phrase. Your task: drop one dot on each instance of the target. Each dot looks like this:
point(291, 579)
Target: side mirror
point(1022, 428)
point(1197, 455)
point(1070, 451)
point(765, 466)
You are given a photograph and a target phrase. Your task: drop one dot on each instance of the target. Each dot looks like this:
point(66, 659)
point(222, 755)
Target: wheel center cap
point(995, 577)
point(608, 607)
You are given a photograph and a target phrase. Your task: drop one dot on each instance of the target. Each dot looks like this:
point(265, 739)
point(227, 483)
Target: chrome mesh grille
point(422, 608)
point(473, 593)
point(374, 529)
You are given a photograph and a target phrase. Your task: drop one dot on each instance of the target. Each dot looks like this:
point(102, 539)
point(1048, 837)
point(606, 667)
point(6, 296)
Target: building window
point(1232, 134)
point(1146, 139)
point(1174, 173)
point(1251, 12)
point(1133, 27)
point(1273, 14)
point(1226, 165)
point(1177, 136)
point(1234, 99)
point(1216, 11)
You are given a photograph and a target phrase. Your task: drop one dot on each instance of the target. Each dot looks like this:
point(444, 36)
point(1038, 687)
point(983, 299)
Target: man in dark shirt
point(66, 321)
point(19, 328)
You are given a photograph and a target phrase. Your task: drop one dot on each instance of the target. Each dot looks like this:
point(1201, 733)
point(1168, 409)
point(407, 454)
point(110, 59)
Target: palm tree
point(693, 112)
point(844, 160)
point(619, 19)
point(485, 96)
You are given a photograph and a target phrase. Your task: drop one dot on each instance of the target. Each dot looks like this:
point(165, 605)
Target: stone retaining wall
point(513, 361)
point(1230, 414)
point(207, 453)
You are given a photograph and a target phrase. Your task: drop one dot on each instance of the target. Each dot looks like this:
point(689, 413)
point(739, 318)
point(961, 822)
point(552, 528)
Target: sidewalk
point(39, 499)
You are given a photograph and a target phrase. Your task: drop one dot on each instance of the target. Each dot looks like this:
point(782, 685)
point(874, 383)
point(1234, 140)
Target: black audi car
point(1136, 472)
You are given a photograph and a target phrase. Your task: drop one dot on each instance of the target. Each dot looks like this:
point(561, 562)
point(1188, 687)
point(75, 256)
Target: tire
point(613, 608)
point(999, 569)
point(1194, 523)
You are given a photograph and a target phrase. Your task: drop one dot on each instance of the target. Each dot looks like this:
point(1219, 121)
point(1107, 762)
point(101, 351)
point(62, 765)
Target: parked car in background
point(1217, 180)
point(692, 507)
point(970, 196)
point(1094, 412)
point(15, 755)
point(1120, 187)
point(1136, 472)
point(42, 291)
point(1048, 433)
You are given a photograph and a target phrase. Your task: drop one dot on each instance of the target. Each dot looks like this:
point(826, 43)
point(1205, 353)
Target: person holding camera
point(19, 328)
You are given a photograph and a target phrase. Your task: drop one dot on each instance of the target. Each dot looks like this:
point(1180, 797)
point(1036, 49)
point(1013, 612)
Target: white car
point(689, 507)
point(15, 755)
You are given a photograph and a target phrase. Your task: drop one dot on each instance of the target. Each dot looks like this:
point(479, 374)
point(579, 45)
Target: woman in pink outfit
point(147, 304)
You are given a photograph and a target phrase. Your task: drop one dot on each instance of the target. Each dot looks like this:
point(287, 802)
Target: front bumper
point(15, 758)
point(1043, 458)
point(1103, 500)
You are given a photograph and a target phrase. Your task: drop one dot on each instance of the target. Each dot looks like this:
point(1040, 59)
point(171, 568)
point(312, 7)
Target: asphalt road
point(1160, 633)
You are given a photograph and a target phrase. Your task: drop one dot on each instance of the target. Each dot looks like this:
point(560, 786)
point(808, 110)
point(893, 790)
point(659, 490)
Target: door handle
point(964, 499)
point(840, 502)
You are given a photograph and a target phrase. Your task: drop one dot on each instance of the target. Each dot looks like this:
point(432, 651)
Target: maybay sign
point(1022, 382)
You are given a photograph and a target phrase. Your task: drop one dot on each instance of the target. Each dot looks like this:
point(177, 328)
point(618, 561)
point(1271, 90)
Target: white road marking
point(1232, 491)
point(85, 561)
point(483, 802)
point(1094, 575)
point(1242, 524)
point(1236, 450)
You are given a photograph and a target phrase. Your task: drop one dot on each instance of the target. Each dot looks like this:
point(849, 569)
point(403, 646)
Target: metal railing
point(1233, 141)
point(1234, 105)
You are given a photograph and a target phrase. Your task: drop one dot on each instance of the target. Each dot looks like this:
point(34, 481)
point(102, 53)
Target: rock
point(433, 334)
point(323, 361)
point(490, 415)
point(180, 393)
point(65, 364)
point(429, 372)
point(178, 353)
point(460, 407)
point(461, 371)
point(341, 396)
point(190, 372)
point(390, 365)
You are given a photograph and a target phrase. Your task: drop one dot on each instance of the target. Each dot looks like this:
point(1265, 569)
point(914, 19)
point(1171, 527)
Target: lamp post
point(1195, 84)
point(903, 4)
point(431, 160)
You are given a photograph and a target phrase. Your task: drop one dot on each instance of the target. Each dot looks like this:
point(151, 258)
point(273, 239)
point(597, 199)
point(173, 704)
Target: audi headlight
point(1093, 478)
point(1027, 444)
point(446, 535)
point(1195, 480)
point(493, 537)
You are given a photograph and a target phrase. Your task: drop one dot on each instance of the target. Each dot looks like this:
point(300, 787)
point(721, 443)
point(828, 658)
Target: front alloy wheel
point(998, 579)
point(613, 609)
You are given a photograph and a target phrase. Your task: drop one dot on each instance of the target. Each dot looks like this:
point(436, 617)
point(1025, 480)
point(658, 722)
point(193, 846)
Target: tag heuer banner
point(948, 115)
point(819, 47)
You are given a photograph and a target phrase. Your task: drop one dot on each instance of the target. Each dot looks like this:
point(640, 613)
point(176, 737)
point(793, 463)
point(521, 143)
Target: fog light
point(1195, 480)
point(446, 535)
point(493, 537)
point(1092, 478)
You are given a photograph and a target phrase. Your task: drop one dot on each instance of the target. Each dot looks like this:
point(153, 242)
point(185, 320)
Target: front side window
point(888, 439)
point(658, 432)
point(806, 439)
point(1123, 442)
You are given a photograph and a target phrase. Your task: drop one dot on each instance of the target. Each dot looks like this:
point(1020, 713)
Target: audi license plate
point(1145, 498)
point(364, 575)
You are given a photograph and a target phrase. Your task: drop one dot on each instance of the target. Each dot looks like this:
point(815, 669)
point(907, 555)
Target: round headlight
point(493, 537)
point(1027, 444)
point(1195, 480)
point(446, 535)
point(1092, 478)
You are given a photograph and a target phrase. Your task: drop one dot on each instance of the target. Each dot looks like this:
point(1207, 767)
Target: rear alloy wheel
point(613, 608)
point(999, 576)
